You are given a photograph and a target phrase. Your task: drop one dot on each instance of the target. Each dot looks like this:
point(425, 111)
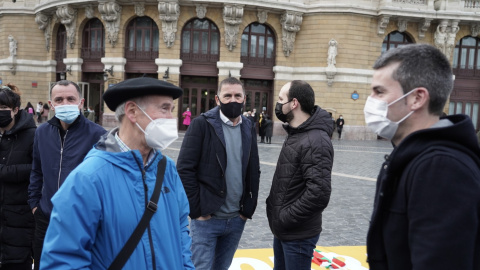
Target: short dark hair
point(303, 92)
point(9, 97)
point(421, 65)
point(230, 80)
point(66, 83)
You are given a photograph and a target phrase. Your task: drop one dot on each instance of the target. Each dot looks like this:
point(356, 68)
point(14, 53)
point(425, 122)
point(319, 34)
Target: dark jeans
point(293, 255)
point(41, 225)
point(18, 266)
point(215, 241)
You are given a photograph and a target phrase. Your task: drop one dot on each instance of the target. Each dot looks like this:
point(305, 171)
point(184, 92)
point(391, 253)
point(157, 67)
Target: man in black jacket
point(301, 184)
point(427, 201)
point(219, 167)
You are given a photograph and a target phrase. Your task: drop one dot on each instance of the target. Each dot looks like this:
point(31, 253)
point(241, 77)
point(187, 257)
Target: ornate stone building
point(332, 44)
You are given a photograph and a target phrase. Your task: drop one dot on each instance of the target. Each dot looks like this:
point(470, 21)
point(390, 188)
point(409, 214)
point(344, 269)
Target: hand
point(205, 217)
point(244, 218)
point(33, 210)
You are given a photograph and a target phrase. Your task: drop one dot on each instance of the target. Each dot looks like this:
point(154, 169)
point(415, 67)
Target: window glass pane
point(468, 108)
point(185, 98)
point(131, 40)
point(253, 46)
point(203, 104)
point(147, 40)
point(468, 41)
point(475, 115)
point(455, 58)
point(451, 108)
point(261, 46)
point(259, 28)
point(384, 47)
point(188, 25)
point(264, 101)
point(193, 102)
point(155, 39)
point(244, 45)
point(204, 42)
point(478, 60)
point(471, 57)
point(459, 108)
point(197, 24)
point(214, 43)
point(246, 30)
point(92, 40)
point(196, 37)
point(463, 58)
point(211, 99)
point(270, 47)
point(139, 40)
point(257, 101)
point(396, 37)
point(186, 41)
point(143, 22)
point(248, 102)
point(213, 26)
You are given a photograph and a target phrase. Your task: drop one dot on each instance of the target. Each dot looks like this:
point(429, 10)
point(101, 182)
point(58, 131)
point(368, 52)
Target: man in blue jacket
point(427, 203)
point(219, 167)
point(59, 146)
point(102, 201)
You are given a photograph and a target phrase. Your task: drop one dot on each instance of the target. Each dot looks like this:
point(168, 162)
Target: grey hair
point(421, 65)
point(120, 110)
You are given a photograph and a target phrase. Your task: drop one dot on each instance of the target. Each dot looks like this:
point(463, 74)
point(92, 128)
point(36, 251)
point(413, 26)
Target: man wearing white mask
point(59, 146)
point(220, 170)
point(427, 201)
point(124, 206)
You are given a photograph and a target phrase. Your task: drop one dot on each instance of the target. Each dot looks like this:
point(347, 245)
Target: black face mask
point(232, 109)
point(5, 118)
point(279, 113)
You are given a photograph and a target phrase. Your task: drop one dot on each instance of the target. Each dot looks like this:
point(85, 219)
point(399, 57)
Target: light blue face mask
point(67, 113)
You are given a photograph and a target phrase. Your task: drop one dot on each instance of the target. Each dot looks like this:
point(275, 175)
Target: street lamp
point(63, 76)
point(165, 76)
point(105, 76)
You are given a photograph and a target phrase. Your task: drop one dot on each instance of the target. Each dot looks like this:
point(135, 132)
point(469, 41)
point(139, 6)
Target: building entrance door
point(198, 95)
point(92, 91)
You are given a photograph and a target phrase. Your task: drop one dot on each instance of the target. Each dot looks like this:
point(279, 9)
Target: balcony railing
point(95, 54)
point(258, 61)
point(133, 54)
point(472, 4)
point(199, 57)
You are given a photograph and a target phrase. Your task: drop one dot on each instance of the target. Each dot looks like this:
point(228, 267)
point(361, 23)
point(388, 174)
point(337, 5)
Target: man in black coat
point(220, 170)
point(427, 203)
point(301, 184)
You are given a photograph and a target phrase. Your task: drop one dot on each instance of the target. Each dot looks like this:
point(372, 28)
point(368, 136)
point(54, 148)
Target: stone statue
point(12, 46)
point(441, 37)
point(450, 43)
point(332, 52)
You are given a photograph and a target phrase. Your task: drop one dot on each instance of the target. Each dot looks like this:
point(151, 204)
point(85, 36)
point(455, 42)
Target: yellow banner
point(343, 258)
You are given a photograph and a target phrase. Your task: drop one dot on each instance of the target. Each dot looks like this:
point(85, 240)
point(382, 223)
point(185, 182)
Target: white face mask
point(160, 133)
point(376, 116)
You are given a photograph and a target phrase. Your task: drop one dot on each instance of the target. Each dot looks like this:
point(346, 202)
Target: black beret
point(139, 87)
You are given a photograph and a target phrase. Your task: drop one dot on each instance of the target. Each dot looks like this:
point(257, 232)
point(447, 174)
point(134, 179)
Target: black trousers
point(17, 266)
point(41, 225)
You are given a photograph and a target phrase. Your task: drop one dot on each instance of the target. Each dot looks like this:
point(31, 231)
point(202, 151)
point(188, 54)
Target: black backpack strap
point(132, 242)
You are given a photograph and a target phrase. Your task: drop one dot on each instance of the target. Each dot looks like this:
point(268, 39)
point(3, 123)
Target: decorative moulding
point(232, 17)
point(89, 13)
point(262, 15)
point(44, 23)
point(201, 11)
point(291, 22)
point(423, 27)
point(475, 29)
point(402, 25)
point(382, 24)
point(139, 9)
point(68, 17)
point(169, 13)
point(111, 13)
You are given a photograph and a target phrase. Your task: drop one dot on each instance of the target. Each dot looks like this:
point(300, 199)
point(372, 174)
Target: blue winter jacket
point(100, 204)
point(54, 160)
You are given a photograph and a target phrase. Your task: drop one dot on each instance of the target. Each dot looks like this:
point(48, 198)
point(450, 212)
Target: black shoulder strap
point(132, 242)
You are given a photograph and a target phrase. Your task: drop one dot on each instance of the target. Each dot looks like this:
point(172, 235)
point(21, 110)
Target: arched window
point(93, 40)
point(466, 57)
point(142, 39)
point(200, 41)
point(394, 40)
point(258, 45)
point(61, 50)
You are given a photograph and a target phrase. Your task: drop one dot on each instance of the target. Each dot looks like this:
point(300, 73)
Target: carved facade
point(305, 40)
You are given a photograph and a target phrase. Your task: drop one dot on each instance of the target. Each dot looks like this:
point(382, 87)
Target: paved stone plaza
point(345, 221)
